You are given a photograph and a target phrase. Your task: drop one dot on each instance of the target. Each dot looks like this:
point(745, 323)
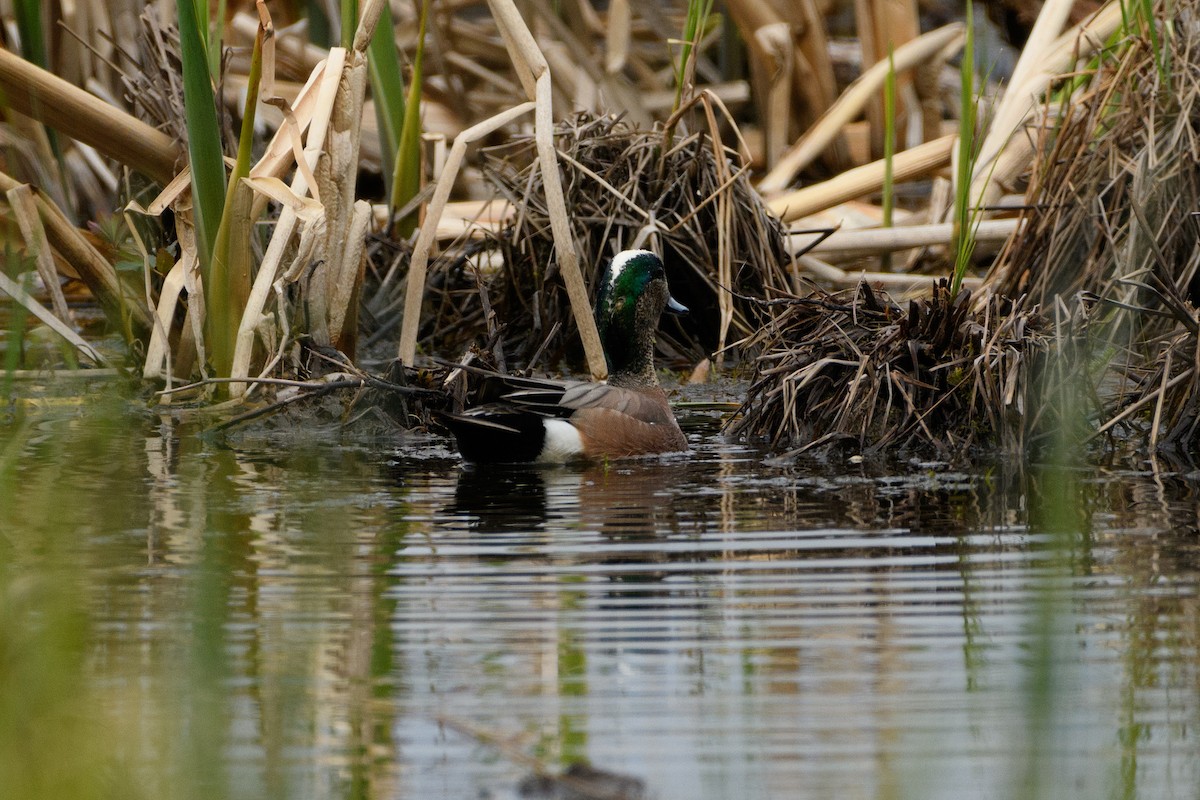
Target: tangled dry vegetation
point(1112, 228)
point(858, 370)
point(1086, 329)
point(625, 187)
point(1086, 315)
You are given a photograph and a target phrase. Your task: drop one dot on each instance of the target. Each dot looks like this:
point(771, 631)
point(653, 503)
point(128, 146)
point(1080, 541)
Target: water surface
point(298, 612)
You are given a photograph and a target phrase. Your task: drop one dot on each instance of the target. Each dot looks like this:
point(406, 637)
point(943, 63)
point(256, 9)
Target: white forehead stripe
point(620, 260)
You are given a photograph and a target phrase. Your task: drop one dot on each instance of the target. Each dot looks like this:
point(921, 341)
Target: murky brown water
point(299, 614)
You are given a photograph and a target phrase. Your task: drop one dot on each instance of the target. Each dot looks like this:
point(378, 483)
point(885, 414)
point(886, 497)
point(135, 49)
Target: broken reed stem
point(912, 163)
point(121, 304)
point(941, 42)
point(48, 98)
point(13, 289)
point(418, 264)
point(322, 87)
point(534, 73)
point(21, 202)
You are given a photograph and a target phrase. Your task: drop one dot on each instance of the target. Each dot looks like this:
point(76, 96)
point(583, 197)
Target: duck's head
point(631, 298)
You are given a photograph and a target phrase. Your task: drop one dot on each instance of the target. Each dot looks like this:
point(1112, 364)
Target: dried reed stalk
point(884, 25)
point(912, 163)
point(13, 289)
point(1006, 151)
point(534, 74)
point(119, 300)
point(50, 99)
point(777, 54)
point(689, 200)
point(934, 45)
point(419, 262)
point(876, 241)
point(24, 209)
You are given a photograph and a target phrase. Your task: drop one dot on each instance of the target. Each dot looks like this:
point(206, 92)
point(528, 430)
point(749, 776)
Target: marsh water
point(306, 611)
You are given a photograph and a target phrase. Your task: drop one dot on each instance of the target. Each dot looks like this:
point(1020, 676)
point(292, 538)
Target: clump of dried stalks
point(686, 197)
point(1111, 228)
point(856, 369)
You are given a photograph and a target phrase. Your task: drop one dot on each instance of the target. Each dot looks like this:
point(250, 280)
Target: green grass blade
point(229, 280)
point(349, 22)
point(964, 241)
point(204, 136)
point(387, 89)
point(889, 148)
point(33, 49)
point(213, 41)
point(697, 19)
point(407, 180)
point(33, 35)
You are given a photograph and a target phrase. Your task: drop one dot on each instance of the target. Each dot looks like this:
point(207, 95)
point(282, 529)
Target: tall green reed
point(1138, 19)
point(349, 9)
point(387, 89)
point(232, 263)
point(966, 218)
point(406, 180)
point(33, 48)
point(205, 156)
point(693, 28)
point(889, 147)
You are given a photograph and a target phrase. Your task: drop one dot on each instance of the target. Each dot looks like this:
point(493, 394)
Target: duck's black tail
point(503, 437)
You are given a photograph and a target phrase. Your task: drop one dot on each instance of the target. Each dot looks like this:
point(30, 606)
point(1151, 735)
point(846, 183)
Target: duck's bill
point(675, 307)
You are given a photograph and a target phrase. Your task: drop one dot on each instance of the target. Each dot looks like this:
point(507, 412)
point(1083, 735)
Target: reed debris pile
point(940, 376)
point(1111, 227)
point(687, 197)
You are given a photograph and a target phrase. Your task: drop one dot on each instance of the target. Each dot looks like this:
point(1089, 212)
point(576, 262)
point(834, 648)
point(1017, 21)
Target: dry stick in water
point(13, 289)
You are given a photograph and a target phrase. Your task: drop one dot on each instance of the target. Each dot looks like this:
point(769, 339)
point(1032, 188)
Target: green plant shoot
point(963, 238)
point(693, 29)
point(387, 88)
point(229, 278)
point(204, 137)
point(406, 182)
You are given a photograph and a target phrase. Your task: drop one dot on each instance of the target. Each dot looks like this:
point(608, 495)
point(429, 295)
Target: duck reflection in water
point(629, 503)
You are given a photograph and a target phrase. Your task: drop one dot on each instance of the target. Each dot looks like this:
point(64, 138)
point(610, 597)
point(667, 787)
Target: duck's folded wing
point(647, 405)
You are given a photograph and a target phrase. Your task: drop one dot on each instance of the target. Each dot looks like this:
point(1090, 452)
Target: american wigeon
point(627, 415)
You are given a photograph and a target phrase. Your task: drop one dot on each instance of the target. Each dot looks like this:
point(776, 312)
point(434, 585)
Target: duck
point(534, 420)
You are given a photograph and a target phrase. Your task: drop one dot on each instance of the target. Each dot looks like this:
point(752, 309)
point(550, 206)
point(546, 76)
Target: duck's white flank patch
point(619, 261)
point(563, 442)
